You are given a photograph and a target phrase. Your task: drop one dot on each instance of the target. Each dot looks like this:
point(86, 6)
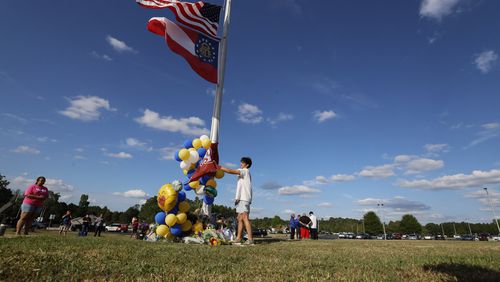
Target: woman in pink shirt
point(34, 197)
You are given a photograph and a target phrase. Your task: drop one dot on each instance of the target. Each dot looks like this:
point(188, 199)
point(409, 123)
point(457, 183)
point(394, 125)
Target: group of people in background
point(303, 226)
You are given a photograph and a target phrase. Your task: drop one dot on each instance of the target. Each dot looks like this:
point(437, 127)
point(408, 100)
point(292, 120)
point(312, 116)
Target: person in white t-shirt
point(314, 226)
point(243, 198)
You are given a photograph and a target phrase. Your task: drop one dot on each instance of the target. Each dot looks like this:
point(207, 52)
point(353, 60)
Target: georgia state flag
point(200, 51)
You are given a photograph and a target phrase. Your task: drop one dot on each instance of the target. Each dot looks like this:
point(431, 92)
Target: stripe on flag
point(200, 16)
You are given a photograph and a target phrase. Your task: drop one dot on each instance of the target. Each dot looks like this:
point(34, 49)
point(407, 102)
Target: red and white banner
point(200, 51)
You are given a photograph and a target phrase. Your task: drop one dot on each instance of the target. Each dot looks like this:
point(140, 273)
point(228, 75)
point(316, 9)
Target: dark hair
point(311, 213)
point(247, 160)
point(39, 178)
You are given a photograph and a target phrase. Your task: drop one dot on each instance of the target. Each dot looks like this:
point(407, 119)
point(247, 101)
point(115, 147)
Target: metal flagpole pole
point(214, 133)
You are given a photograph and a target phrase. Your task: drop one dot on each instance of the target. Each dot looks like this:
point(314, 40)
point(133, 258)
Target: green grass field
point(47, 256)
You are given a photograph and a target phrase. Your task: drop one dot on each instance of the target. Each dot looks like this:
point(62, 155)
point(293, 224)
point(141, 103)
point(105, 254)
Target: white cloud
point(476, 179)
point(421, 165)
point(188, 126)
point(45, 139)
point(167, 153)
point(382, 171)
point(480, 194)
point(135, 143)
point(437, 9)
point(397, 204)
point(55, 185)
point(490, 131)
point(436, 148)
point(321, 116)
point(86, 108)
point(491, 125)
point(101, 56)
point(26, 150)
point(133, 193)
point(296, 190)
point(325, 205)
point(319, 180)
point(119, 45)
point(280, 118)
point(248, 113)
point(120, 155)
point(485, 61)
point(288, 211)
point(230, 165)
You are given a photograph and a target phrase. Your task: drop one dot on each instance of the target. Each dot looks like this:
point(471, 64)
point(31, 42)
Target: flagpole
point(214, 133)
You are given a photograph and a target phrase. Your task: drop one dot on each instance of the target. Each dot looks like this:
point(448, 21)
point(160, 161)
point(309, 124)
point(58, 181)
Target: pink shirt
point(38, 191)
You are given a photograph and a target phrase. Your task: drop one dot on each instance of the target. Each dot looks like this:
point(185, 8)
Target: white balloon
point(203, 137)
point(200, 191)
point(194, 156)
point(184, 165)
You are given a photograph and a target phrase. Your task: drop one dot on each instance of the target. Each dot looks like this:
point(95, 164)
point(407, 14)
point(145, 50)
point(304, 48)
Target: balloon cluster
point(189, 159)
point(174, 220)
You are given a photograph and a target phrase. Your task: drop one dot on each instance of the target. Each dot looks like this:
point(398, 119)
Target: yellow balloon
point(206, 143)
point(194, 184)
point(211, 182)
point(181, 218)
point(186, 226)
point(169, 206)
point(185, 172)
point(197, 143)
point(184, 154)
point(184, 206)
point(193, 166)
point(171, 220)
point(219, 174)
point(166, 197)
point(198, 227)
point(162, 230)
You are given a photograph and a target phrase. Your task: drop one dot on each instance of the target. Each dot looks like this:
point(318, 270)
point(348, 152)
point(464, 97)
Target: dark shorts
point(30, 208)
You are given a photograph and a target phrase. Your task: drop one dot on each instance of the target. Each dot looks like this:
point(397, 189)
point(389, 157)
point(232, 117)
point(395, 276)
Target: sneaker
point(249, 242)
point(237, 243)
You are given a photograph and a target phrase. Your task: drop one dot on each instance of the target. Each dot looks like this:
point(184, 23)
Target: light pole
point(492, 208)
point(470, 230)
point(383, 223)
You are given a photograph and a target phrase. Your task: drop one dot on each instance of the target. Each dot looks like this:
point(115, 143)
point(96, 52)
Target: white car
point(114, 227)
point(428, 237)
point(495, 238)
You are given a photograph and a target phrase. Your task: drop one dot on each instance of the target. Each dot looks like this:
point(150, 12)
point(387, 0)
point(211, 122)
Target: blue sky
point(342, 105)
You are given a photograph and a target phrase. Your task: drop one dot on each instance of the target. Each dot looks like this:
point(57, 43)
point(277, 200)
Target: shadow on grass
point(464, 272)
point(268, 240)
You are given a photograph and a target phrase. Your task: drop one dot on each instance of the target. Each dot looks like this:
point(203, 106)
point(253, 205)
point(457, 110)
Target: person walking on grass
point(86, 220)
point(243, 198)
point(98, 224)
point(66, 223)
point(297, 227)
point(32, 205)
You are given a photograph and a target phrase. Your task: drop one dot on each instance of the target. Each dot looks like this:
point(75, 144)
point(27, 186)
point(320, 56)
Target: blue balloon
point(204, 179)
point(188, 144)
point(176, 230)
point(176, 156)
point(174, 210)
point(181, 196)
point(160, 218)
point(208, 200)
point(190, 173)
point(201, 152)
point(187, 187)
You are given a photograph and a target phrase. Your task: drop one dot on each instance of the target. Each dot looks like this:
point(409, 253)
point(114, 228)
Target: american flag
point(200, 16)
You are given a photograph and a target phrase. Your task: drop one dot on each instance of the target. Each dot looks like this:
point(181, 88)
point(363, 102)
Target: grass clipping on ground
point(51, 257)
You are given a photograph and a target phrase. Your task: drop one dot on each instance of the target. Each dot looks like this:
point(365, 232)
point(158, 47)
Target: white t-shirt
point(244, 186)
point(314, 221)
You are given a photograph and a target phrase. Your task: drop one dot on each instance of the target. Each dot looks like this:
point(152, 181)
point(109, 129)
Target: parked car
point(467, 237)
point(484, 236)
point(363, 236)
point(114, 227)
point(428, 237)
point(439, 237)
point(413, 237)
point(259, 232)
point(457, 237)
point(495, 238)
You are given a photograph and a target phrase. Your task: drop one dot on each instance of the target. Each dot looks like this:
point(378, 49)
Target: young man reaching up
point(243, 198)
